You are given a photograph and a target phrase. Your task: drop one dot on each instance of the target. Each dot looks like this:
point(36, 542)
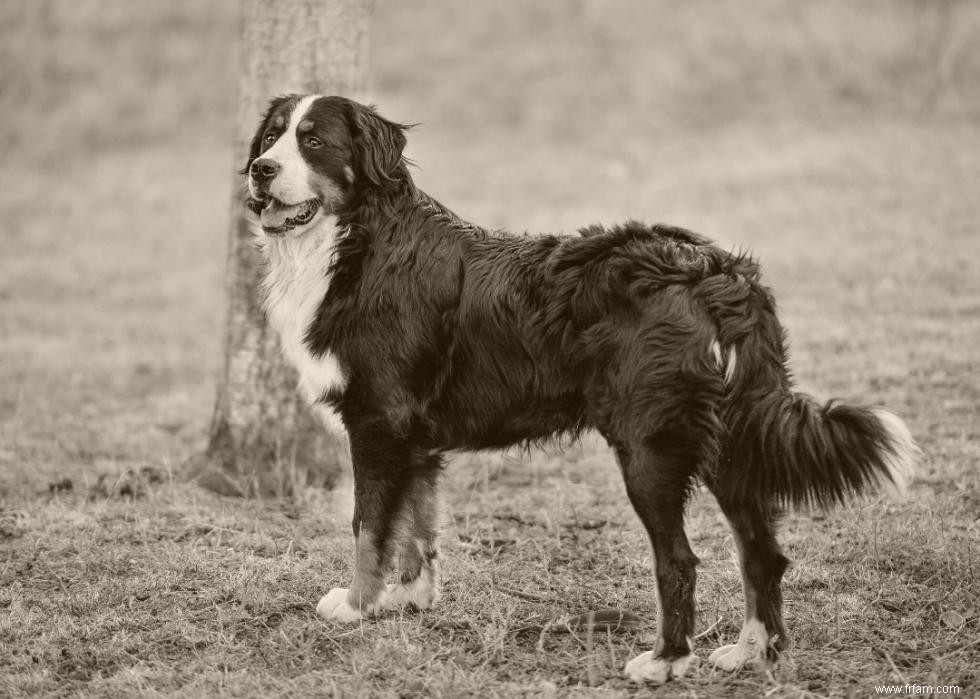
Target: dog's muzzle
point(278, 218)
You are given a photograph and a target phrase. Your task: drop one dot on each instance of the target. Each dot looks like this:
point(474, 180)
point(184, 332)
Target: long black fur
point(473, 339)
point(452, 336)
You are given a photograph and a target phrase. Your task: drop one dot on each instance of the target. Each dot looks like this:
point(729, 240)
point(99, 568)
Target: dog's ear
point(378, 144)
point(256, 146)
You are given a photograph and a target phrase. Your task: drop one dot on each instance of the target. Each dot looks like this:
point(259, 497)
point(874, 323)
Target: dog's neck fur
point(288, 255)
point(296, 281)
point(377, 202)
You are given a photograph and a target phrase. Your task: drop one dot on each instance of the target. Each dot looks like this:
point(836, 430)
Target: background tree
point(264, 438)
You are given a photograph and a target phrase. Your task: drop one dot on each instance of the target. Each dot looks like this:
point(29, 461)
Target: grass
point(835, 140)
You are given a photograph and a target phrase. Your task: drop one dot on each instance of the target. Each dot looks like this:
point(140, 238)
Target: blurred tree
point(264, 438)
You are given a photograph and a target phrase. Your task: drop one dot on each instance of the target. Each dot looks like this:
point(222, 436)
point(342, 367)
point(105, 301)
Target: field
point(838, 141)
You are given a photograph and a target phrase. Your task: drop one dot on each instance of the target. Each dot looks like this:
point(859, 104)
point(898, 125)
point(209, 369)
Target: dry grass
point(836, 140)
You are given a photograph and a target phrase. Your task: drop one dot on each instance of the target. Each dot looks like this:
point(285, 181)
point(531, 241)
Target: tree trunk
point(264, 438)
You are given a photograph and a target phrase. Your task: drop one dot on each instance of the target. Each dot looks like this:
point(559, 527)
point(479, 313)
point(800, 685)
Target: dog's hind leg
point(763, 564)
point(657, 482)
point(418, 556)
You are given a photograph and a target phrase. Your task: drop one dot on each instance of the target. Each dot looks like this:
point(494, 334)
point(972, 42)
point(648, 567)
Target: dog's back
point(520, 338)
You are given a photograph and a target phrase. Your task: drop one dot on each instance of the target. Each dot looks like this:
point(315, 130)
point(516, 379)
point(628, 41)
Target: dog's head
point(311, 153)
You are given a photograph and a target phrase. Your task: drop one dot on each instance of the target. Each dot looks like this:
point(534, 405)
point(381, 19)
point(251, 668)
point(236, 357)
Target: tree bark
point(264, 439)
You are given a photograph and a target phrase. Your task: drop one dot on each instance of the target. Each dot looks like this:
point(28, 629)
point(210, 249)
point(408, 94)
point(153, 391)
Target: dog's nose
point(263, 169)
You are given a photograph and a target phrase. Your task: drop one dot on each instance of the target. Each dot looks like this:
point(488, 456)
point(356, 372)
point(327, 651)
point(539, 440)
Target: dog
point(426, 334)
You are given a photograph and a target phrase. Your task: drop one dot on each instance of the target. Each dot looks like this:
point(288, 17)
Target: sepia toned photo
point(582, 348)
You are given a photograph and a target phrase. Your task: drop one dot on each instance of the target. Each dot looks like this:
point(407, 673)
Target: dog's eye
point(313, 142)
point(269, 138)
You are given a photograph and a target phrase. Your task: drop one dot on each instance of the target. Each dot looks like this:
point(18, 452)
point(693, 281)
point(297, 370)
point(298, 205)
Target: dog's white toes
point(335, 607)
point(647, 668)
point(750, 650)
point(409, 596)
point(421, 593)
point(726, 658)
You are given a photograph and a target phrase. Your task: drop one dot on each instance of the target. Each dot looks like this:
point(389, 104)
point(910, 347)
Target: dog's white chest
point(296, 282)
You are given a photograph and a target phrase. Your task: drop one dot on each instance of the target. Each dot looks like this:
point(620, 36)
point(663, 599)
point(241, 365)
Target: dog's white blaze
point(295, 284)
point(901, 453)
point(752, 646)
point(292, 184)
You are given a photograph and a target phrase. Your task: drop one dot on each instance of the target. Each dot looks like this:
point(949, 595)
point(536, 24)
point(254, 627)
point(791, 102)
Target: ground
point(837, 141)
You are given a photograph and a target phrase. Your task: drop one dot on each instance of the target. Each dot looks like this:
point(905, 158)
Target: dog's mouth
point(278, 218)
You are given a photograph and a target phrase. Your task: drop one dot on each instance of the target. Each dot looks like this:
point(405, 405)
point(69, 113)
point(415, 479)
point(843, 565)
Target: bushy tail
point(781, 445)
point(787, 447)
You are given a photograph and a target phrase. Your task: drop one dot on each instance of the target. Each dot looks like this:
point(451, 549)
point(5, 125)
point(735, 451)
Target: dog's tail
point(784, 446)
point(789, 448)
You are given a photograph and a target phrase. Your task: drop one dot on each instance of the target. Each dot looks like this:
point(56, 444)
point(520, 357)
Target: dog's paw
point(335, 607)
point(421, 593)
point(751, 649)
point(647, 668)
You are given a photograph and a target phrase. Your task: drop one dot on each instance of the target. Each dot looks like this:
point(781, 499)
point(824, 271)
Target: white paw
point(335, 607)
point(421, 593)
point(751, 649)
point(646, 668)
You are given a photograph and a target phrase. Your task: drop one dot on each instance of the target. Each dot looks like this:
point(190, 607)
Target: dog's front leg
point(382, 470)
point(418, 555)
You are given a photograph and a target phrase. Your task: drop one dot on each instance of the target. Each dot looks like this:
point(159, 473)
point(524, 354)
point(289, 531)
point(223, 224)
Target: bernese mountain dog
point(426, 334)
